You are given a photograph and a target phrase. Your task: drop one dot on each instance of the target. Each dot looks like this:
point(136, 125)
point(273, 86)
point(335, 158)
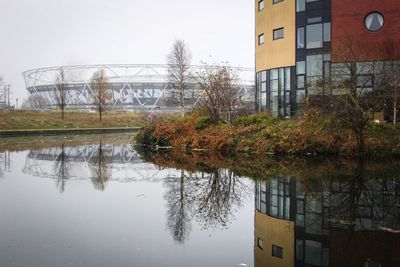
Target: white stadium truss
point(124, 163)
point(143, 87)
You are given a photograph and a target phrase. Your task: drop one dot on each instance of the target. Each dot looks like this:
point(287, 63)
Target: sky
point(47, 33)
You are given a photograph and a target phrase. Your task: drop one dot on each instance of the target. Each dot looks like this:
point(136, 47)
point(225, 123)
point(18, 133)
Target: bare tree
point(391, 72)
point(219, 194)
point(180, 200)
point(61, 169)
point(100, 169)
point(35, 101)
point(61, 91)
point(353, 92)
point(101, 91)
point(220, 93)
point(178, 61)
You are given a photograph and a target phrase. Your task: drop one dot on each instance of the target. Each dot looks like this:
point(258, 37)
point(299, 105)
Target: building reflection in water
point(329, 223)
point(99, 162)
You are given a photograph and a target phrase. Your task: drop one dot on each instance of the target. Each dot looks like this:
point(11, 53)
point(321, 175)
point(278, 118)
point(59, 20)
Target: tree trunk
point(100, 114)
point(62, 112)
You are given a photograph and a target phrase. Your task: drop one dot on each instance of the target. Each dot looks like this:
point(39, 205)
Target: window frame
point(261, 3)
point(277, 251)
point(277, 30)
point(261, 41)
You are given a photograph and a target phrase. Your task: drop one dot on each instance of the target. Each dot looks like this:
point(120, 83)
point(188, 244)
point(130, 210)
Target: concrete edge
point(43, 132)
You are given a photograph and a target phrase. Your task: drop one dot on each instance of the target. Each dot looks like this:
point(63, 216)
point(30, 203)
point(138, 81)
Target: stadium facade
point(143, 87)
point(301, 42)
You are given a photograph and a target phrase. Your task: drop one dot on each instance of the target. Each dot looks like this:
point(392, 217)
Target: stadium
point(134, 87)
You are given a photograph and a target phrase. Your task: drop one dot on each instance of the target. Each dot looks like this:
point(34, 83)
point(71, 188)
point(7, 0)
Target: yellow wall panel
point(273, 232)
point(276, 53)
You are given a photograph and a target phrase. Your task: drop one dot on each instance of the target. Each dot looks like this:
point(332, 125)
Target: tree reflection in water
point(180, 199)
point(219, 195)
point(61, 169)
point(99, 168)
point(209, 197)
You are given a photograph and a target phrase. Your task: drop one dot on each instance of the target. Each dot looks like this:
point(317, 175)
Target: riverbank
point(23, 120)
point(261, 135)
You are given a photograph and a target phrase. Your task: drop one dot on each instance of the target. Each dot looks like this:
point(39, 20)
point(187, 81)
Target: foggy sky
point(45, 33)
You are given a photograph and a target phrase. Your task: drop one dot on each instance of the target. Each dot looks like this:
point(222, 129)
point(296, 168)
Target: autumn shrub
point(260, 134)
point(258, 118)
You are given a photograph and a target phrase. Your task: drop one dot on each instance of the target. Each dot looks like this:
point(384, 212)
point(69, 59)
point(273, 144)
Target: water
point(96, 201)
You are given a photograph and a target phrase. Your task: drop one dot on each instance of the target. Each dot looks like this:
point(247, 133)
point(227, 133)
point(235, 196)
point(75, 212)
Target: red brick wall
point(348, 29)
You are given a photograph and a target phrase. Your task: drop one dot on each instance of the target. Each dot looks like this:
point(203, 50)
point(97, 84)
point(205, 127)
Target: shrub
point(258, 118)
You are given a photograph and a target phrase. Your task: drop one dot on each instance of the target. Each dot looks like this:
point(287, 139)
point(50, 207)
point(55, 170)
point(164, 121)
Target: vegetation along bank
point(260, 134)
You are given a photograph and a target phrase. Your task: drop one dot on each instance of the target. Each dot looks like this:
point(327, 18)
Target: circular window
point(374, 21)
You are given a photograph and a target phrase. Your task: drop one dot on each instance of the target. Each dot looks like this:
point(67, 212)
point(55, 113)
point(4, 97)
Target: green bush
point(146, 136)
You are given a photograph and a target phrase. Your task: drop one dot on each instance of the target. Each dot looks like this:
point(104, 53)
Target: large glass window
point(278, 34)
point(314, 65)
point(300, 37)
point(327, 32)
point(314, 36)
point(300, 5)
point(301, 67)
point(314, 20)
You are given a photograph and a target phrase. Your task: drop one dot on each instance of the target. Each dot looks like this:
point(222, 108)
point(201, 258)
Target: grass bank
point(19, 120)
point(261, 134)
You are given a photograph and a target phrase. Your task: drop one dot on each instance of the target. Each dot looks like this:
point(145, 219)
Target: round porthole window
point(374, 21)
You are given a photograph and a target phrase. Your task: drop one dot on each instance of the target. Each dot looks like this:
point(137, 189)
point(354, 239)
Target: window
point(314, 70)
point(374, 21)
point(260, 243)
point(314, 20)
point(261, 39)
point(301, 81)
point(314, 36)
point(300, 37)
point(261, 5)
point(327, 32)
point(276, 1)
point(299, 250)
point(301, 67)
point(300, 5)
point(277, 251)
point(278, 34)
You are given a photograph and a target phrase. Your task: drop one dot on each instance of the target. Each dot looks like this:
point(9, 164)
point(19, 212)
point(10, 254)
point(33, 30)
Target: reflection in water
point(336, 221)
point(5, 160)
point(124, 164)
point(318, 212)
point(219, 195)
point(180, 198)
point(61, 169)
point(99, 168)
point(211, 198)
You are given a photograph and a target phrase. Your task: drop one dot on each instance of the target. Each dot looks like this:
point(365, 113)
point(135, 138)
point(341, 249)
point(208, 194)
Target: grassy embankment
point(260, 134)
point(14, 120)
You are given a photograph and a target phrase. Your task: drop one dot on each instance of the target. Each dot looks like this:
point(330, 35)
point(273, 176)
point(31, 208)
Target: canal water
point(98, 201)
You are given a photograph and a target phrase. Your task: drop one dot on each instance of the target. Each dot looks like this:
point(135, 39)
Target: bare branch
point(178, 61)
point(101, 89)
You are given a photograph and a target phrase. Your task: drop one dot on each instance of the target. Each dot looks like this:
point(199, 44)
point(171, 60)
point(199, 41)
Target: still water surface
point(96, 201)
